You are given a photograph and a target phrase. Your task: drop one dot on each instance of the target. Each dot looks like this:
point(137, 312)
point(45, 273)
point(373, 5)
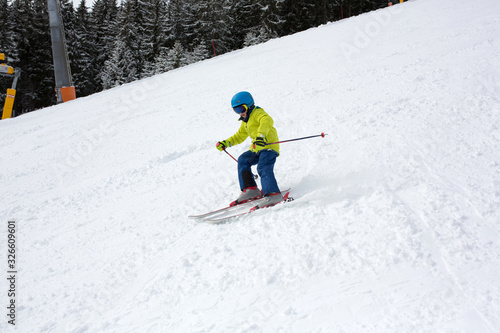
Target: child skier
point(257, 125)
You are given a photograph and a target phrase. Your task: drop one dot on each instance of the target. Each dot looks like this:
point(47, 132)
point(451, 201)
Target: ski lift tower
point(64, 87)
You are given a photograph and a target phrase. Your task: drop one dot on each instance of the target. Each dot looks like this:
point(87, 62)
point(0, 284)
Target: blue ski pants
point(265, 161)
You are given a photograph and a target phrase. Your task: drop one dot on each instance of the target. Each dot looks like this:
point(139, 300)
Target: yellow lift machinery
point(6, 70)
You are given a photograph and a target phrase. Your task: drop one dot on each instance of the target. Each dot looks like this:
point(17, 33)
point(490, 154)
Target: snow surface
point(395, 223)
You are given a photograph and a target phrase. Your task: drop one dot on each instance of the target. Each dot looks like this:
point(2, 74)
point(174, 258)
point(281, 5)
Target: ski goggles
point(240, 109)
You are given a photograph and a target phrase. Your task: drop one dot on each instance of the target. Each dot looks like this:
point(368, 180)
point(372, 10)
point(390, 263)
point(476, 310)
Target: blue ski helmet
point(243, 97)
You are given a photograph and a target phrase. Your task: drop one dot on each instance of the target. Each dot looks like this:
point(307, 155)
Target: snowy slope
point(395, 223)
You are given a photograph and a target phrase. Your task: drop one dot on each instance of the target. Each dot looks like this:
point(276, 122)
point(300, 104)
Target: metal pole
point(307, 137)
point(254, 176)
point(61, 64)
point(230, 155)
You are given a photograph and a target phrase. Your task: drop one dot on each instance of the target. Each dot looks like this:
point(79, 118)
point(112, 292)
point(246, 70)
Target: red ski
point(224, 210)
point(217, 220)
point(228, 209)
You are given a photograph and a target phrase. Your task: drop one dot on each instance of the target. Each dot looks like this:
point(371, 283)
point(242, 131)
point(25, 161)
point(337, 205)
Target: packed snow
point(395, 222)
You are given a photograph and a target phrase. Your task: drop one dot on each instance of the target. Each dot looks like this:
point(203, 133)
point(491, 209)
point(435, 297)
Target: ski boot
point(248, 194)
point(271, 199)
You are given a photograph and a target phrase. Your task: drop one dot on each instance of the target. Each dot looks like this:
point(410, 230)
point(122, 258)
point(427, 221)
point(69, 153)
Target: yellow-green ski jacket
point(259, 122)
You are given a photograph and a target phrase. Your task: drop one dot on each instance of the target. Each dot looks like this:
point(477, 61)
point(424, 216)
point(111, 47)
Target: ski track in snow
point(394, 227)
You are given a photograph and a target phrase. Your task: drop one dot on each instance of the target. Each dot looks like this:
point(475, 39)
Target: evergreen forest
point(110, 43)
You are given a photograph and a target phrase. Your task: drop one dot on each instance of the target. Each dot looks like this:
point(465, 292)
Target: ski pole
point(224, 149)
point(307, 137)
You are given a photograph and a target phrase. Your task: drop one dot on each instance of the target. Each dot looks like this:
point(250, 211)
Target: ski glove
point(258, 144)
point(221, 145)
